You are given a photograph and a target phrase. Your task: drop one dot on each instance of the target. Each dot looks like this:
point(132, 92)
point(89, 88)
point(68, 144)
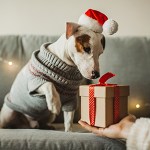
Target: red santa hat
point(98, 22)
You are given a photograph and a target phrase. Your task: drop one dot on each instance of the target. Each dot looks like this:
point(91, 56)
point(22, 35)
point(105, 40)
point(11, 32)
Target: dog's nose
point(95, 74)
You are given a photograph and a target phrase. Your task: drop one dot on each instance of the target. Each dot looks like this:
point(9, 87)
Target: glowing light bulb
point(137, 106)
point(10, 63)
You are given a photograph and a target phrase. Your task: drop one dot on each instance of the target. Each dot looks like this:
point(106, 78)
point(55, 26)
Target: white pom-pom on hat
point(110, 26)
point(98, 22)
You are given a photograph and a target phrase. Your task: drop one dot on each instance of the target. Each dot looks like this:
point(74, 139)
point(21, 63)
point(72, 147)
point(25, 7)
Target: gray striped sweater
point(43, 67)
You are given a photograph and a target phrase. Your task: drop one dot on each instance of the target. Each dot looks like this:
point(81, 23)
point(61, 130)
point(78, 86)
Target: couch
point(127, 57)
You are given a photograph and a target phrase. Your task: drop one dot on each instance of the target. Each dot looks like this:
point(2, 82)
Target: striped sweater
point(43, 67)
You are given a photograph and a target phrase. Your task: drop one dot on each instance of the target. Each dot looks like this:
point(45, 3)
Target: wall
point(49, 16)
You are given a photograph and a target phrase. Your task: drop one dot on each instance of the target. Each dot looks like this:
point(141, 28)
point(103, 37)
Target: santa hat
point(98, 22)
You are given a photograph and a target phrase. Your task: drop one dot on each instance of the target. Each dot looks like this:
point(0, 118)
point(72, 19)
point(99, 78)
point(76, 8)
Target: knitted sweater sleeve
point(139, 136)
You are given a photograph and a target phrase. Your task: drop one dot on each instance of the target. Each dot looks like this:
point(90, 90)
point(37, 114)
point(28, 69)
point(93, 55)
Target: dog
point(76, 53)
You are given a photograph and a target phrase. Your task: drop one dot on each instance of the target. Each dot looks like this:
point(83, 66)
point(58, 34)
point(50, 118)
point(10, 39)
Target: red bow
point(92, 99)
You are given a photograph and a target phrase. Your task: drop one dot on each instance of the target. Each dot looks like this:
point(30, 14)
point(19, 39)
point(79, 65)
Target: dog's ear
point(103, 42)
point(71, 28)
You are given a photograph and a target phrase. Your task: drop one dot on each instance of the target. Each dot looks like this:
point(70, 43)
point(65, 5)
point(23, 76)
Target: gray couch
point(128, 57)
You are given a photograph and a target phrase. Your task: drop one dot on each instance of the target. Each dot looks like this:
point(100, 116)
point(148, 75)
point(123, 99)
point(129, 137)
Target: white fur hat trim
point(90, 23)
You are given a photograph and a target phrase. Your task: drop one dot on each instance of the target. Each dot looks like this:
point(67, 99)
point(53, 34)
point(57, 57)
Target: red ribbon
point(92, 99)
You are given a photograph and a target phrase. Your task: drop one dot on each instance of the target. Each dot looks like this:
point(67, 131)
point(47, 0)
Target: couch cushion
point(29, 139)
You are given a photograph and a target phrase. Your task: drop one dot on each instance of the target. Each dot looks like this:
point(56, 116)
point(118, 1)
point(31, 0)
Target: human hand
point(119, 130)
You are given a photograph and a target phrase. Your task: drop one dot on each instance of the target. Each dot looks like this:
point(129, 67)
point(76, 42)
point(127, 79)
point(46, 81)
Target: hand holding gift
point(119, 130)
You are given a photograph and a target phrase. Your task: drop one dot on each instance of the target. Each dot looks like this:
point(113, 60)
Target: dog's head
point(84, 47)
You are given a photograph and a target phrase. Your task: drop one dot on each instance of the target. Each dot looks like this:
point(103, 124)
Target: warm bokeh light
point(137, 106)
point(10, 63)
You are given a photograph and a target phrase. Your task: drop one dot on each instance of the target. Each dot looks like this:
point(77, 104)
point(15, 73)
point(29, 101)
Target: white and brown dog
point(79, 48)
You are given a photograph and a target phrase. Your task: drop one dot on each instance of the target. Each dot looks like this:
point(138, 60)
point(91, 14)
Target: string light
point(9, 63)
point(137, 106)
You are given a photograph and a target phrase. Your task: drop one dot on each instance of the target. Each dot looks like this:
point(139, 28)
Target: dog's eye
point(87, 49)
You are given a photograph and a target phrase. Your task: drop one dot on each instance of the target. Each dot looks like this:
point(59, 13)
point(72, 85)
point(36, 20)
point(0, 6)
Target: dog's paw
point(55, 107)
point(68, 129)
point(52, 98)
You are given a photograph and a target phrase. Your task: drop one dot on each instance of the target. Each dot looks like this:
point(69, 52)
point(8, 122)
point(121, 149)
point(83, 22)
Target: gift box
point(103, 104)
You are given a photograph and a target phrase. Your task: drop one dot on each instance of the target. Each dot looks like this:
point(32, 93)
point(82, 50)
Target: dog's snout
point(95, 74)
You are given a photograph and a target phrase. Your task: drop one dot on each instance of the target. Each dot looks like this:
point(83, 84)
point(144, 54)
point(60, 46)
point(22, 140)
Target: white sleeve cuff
point(139, 135)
